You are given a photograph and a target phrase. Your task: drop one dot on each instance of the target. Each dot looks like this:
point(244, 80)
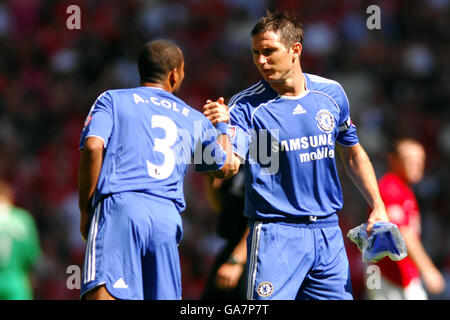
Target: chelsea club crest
point(325, 121)
point(265, 289)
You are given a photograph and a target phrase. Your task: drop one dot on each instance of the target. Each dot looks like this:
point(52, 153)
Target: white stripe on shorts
point(89, 260)
point(253, 258)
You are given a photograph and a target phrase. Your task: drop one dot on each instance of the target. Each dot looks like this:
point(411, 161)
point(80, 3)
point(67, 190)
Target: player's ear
point(176, 77)
point(173, 77)
point(296, 50)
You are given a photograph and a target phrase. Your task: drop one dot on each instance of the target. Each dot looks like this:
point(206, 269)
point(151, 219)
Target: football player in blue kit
point(136, 145)
point(295, 248)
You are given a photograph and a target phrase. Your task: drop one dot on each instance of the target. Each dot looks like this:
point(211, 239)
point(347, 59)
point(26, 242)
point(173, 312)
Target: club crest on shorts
point(265, 289)
point(325, 121)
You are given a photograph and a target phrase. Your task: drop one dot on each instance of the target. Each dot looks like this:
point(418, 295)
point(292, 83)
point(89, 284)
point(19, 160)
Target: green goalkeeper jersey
point(19, 250)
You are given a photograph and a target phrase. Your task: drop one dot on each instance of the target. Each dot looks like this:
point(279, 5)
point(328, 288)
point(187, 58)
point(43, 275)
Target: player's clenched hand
point(434, 281)
point(228, 275)
point(377, 215)
point(216, 111)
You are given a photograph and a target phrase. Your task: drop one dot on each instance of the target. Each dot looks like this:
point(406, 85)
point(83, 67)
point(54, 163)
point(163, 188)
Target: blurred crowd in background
point(397, 79)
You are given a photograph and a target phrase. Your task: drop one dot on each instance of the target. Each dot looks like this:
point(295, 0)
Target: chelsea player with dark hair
point(295, 248)
point(135, 147)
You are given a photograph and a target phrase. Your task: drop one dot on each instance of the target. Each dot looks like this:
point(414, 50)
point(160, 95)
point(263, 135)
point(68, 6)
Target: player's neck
point(401, 176)
point(293, 85)
point(163, 86)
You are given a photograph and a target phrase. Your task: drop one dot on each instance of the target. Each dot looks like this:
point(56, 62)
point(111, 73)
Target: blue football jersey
point(288, 144)
point(150, 138)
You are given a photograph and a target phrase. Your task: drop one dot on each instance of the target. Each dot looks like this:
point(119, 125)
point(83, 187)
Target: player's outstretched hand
point(216, 111)
point(434, 281)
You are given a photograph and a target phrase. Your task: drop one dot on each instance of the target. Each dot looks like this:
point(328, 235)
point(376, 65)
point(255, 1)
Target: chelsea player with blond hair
point(295, 248)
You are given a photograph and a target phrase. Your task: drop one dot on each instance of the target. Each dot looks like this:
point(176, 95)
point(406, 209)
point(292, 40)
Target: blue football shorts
point(132, 248)
point(297, 261)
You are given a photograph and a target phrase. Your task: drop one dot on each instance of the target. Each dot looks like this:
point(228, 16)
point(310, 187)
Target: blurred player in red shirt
point(402, 280)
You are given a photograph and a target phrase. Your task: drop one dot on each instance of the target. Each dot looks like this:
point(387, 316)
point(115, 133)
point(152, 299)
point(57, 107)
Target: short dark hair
point(285, 24)
point(395, 143)
point(157, 58)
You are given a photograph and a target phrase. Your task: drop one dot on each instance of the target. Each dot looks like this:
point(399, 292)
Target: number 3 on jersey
point(164, 145)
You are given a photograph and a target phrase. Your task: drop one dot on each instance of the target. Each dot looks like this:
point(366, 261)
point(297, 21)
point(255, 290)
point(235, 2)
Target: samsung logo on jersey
point(321, 142)
point(306, 142)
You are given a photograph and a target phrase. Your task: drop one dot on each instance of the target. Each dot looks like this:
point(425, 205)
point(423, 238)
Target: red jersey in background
point(403, 210)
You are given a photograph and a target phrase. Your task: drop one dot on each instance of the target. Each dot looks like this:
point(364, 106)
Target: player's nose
point(260, 59)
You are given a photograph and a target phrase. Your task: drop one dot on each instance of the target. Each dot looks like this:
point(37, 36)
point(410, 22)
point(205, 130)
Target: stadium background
point(397, 79)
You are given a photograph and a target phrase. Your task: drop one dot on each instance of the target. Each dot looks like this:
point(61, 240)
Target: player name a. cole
point(321, 142)
point(164, 103)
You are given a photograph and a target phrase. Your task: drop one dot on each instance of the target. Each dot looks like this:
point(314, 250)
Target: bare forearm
point(416, 251)
point(360, 170)
point(88, 172)
point(232, 162)
point(240, 251)
point(230, 272)
point(217, 113)
point(432, 277)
